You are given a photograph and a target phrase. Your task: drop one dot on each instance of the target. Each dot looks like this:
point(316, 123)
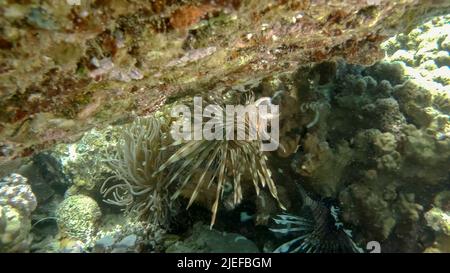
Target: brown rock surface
point(65, 68)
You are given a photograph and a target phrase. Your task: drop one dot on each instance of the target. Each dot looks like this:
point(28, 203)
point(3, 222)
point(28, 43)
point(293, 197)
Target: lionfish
point(319, 230)
point(220, 163)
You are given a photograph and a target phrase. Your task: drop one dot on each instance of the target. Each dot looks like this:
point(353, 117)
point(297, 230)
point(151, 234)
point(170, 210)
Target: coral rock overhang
point(66, 68)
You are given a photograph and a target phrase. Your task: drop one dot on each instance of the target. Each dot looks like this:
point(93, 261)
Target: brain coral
point(77, 216)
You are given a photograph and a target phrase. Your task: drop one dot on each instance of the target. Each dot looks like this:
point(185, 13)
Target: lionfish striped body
point(319, 230)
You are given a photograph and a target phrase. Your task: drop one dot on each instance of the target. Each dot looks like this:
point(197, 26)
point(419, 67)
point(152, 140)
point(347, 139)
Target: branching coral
point(137, 158)
point(215, 162)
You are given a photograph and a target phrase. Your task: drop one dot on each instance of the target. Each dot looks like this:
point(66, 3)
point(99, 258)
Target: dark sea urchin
point(319, 230)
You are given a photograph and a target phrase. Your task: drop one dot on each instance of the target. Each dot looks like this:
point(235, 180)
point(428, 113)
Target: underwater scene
point(224, 126)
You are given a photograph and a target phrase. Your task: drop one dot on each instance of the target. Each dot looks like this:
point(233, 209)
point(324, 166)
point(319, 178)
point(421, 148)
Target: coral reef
point(67, 68)
point(124, 234)
point(388, 134)
point(438, 220)
point(78, 217)
point(424, 52)
point(205, 240)
point(17, 201)
point(320, 229)
point(16, 192)
point(369, 144)
point(82, 162)
point(113, 234)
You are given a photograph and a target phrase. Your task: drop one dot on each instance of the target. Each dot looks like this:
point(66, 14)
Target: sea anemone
point(319, 230)
point(221, 163)
point(134, 185)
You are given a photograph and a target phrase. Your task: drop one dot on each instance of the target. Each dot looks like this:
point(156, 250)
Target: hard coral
point(17, 201)
point(78, 216)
